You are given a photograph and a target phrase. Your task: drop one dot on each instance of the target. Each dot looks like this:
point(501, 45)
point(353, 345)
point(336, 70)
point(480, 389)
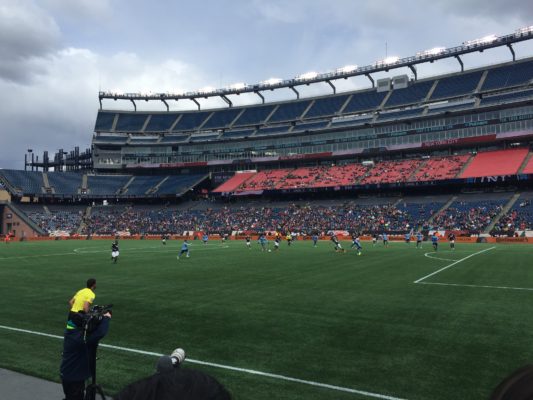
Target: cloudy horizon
point(58, 54)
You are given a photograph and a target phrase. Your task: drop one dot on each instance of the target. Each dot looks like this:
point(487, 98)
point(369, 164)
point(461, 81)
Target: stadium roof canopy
point(431, 55)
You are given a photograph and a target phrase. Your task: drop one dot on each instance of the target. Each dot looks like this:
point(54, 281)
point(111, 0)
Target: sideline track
point(222, 366)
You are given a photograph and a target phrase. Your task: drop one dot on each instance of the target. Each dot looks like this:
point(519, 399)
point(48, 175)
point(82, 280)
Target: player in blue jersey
point(263, 242)
point(408, 238)
point(385, 237)
point(315, 239)
point(205, 238)
point(419, 238)
point(357, 244)
point(184, 249)
point(435, 241)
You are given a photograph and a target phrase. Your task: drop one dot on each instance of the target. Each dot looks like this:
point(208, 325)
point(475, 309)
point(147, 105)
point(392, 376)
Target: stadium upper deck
point(408, 114)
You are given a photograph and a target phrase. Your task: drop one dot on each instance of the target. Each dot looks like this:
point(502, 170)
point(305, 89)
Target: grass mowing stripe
point(228, 367)
point(475, 286)
point(452, 264)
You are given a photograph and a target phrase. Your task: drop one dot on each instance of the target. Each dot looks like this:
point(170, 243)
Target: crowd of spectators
point(470, 217)
point(54, 221)
point(301, 219)
point(519, 218)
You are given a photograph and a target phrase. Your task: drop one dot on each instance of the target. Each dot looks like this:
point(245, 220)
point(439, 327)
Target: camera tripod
point(93, 388)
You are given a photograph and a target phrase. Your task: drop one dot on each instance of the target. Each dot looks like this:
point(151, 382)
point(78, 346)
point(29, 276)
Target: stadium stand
point(415, 93)
point(234, 182)
point(289, 111)
point(106, 185)
point(65, 183)
point(391, 171)
point(130, 122)
point(326, 106)
point(254, 115)
point(23, 182)
point(439, 168)
point(456, 85)
point(510, 75)
point(494, 163)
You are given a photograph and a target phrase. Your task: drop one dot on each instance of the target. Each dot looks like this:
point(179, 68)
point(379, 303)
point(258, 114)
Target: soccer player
point(205, 238)
point(337, 244)
point(276, 243)
point(408, 238)
point(248, 242)
point(315, 239)
point(114, 251)
point(263, 242)
point(357, 244)
point(385, 239)
point(451, 238)
point(419, 238)
point(184, 249)
point(289, 238)
point(164, 239)
point(374, 239)
point(435, 241)
point(6, 238)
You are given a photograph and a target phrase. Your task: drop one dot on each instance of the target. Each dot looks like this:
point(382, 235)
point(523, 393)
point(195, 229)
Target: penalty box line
point(452, 264)
point(222, 366)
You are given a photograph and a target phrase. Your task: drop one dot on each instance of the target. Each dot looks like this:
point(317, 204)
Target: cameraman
point(78, 361)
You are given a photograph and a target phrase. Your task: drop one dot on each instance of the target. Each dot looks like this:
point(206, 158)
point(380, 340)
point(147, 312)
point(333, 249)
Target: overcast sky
point(55, 55)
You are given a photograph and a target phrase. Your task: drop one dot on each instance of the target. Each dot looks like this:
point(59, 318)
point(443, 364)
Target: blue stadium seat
point(363, 101)
point(191, 120)
point(221, 119)
point(104, 121)
point(161, 122)
point(130, 122)
point(414, 93)
point(65, 183)
point(141, 184)
point(174, 138)
point(254, 115)
point(25, 182)
point(106, 185)
point(289, 111)
point(508, 76)
point(456, 85)
point(178, 184)
point(326, 106)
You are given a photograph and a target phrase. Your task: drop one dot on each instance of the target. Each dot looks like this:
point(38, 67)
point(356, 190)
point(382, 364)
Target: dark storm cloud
point(27, 34)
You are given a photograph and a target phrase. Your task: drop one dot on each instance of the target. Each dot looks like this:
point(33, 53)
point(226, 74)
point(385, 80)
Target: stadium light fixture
point(346, 69)
point(272, 81)
point(238, 86)
point(484, 40)
point(307, 76)
point(207, 89)
point(431, 52)
point(387, 61)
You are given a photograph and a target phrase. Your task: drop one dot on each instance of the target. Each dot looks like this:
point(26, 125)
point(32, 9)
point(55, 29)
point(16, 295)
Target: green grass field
point(358, 323)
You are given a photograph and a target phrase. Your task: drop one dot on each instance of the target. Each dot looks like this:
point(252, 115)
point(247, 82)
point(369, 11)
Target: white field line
point(135, 249)
point(476, 286)
point(429, 255)
point(222, 366)
point(454, 263)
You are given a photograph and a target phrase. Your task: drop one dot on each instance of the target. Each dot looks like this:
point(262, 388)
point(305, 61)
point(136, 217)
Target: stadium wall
point(12, 221)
